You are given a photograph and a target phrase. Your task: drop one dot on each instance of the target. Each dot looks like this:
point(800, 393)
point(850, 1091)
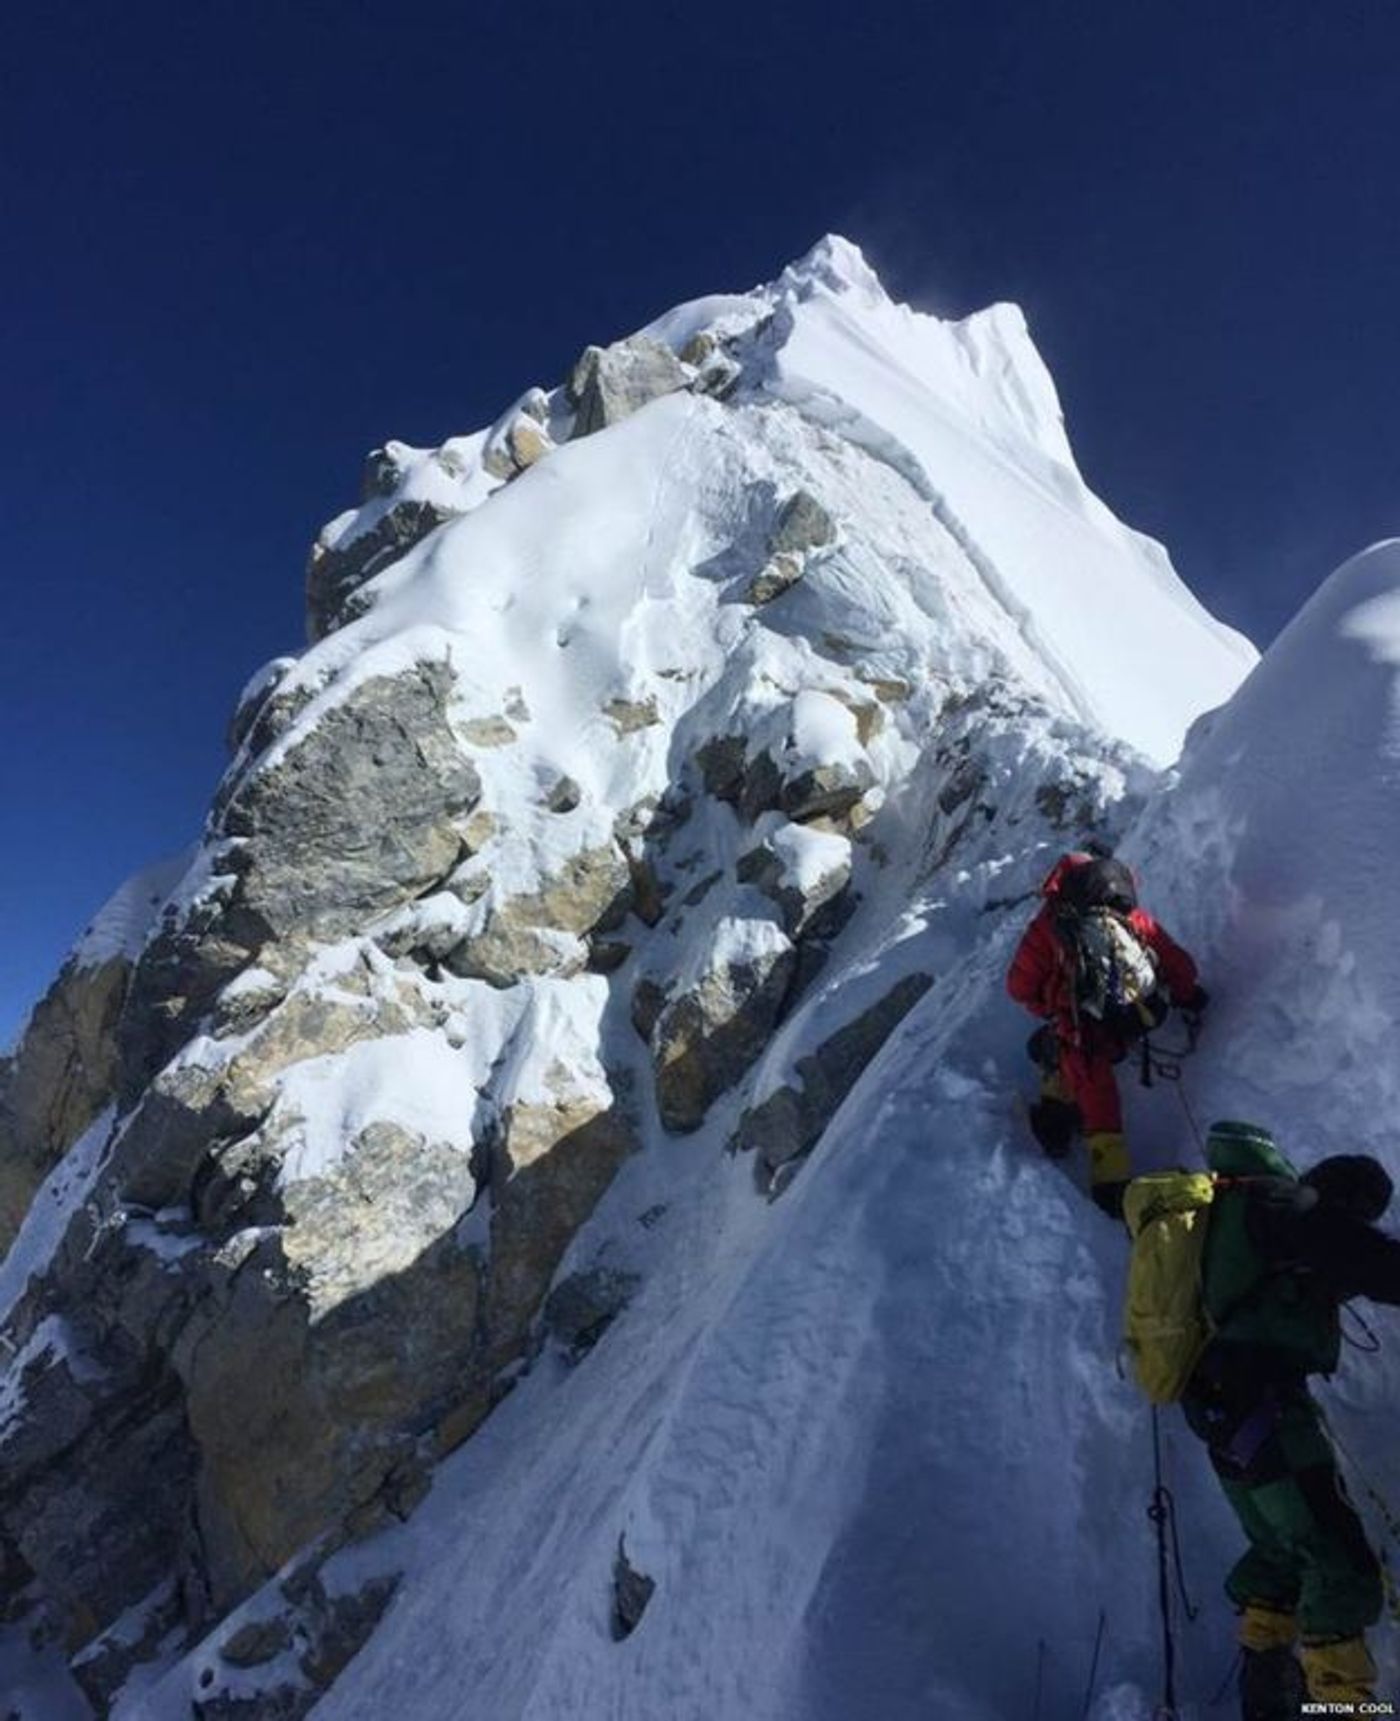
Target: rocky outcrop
point(777, 574)
point(354, 818)
point(581, 1308)
point(802, 525)
point(338, 569)
point(541, 932)
point(552, 1160)
point(800, 870)
point(359, 815)
point(336, 1366)
point(611, 383)
point(59, 1078)
point(520, 439)
point(284, 1662)
point(712, 1029)
point(629, 715)
point(104, 1664)
point(96, 1463)
point(788, 1124)
point(632, 1591)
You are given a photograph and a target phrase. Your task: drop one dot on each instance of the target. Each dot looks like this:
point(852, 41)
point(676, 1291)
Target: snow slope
point(870, 1442)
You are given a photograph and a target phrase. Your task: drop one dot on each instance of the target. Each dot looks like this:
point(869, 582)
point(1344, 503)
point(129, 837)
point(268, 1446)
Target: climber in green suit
point(1282, 1255)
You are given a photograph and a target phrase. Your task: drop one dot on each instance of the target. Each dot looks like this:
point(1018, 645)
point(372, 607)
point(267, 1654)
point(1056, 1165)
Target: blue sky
point(244, 245)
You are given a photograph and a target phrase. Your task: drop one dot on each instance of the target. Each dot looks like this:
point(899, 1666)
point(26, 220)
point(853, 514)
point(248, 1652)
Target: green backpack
point(1189, 1278)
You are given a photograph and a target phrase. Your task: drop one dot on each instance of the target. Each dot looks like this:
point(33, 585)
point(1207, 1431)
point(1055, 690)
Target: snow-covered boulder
point(716, 1021)
point(802, 870)
point(339, 566)
point(520, 438)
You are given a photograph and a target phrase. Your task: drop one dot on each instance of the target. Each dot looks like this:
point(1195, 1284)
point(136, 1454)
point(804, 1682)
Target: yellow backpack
point(1165, 1324)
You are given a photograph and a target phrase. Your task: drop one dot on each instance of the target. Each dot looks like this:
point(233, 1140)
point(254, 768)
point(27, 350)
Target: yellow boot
point(1264, 1628)
point(1339, 1672)
point(1108, 1170)
point(1271, 1681)
point(1108, 1156)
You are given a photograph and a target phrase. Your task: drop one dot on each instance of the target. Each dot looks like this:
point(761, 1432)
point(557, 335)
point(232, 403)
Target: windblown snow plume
point(539, 1213)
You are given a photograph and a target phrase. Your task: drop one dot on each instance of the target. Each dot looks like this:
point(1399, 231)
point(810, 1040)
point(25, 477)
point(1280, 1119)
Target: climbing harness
point(1162, 1514)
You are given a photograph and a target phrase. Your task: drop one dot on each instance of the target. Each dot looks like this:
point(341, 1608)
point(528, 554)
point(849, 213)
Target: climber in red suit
point(1101, 973)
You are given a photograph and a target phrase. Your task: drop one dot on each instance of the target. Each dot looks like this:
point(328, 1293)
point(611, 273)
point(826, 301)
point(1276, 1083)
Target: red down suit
point(1041, 978)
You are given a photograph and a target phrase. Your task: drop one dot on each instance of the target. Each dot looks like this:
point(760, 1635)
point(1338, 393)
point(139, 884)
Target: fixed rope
point(1191, 1121)
point(1162, 1513)
point(1094, 1665)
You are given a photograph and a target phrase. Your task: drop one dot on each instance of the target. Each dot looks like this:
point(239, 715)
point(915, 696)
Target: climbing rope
point(1162, 1514)
point(1094, 1665)
point(1191, 1121)
point(1164, 1063)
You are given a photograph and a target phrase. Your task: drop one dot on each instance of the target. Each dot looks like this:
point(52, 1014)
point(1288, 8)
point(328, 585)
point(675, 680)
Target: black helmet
point(1355, 1182)
point(1099, 882)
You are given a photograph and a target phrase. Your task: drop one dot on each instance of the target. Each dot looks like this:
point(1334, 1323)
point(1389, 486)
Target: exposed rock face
point(61, 1076)
point(520, 439)
point(776, 576)
point(582, 1307)
point(360, 815)
point(540, 933)
point(711, 1031)
point(632, 1591)
point(803, 524)
point(314, 1630)
point(832, 790)
point(336, 572)
point(610, 383)
point(628, 715)
point(801, 871)
point(789, 1123)
point(336, 1345)
point(96, 1471)
point(354, 819)
point(552, 1162)
point(104, 1665)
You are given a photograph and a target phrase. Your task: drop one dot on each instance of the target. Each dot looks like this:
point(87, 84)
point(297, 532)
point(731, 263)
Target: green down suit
point(1278, 1263)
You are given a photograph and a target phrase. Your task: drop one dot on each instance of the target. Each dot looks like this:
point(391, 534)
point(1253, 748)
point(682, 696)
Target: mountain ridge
point(668, 773)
